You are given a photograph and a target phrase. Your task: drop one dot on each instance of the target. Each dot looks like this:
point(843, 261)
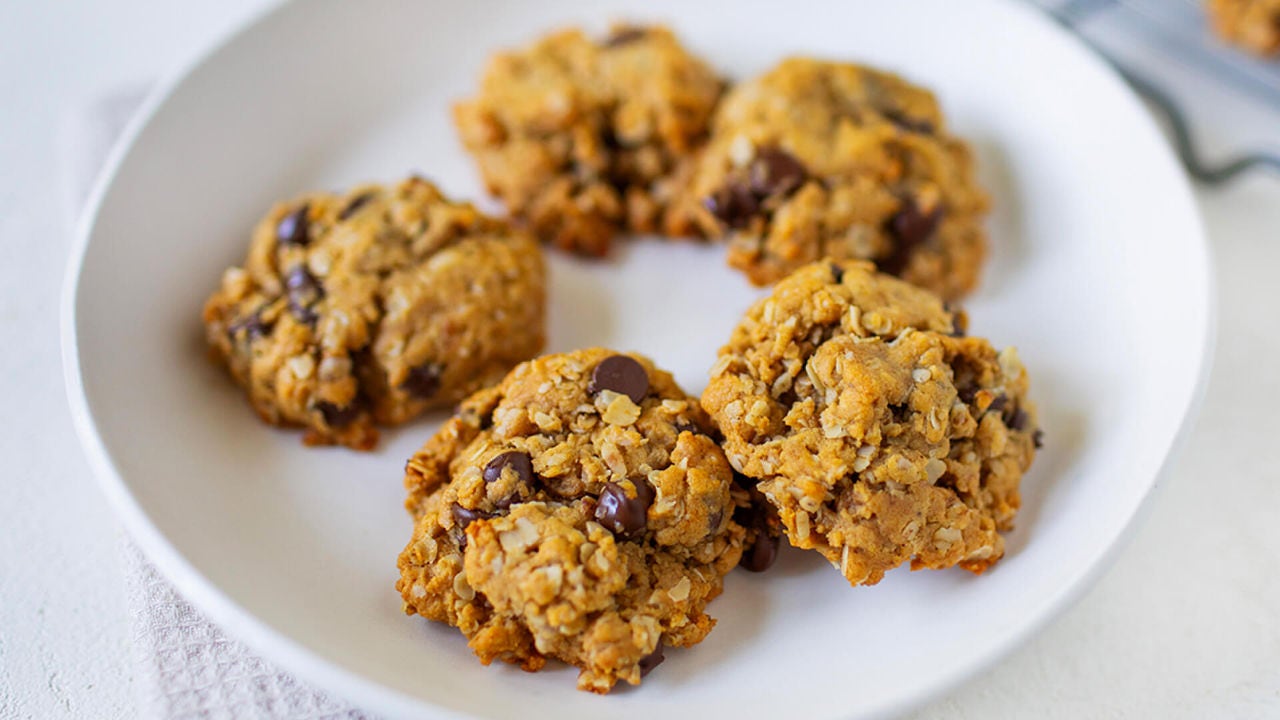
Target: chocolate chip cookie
point(581, 511)
point(879, 431)
point(1251, 24)
point(820, 159)
point(374, 306)
point(583, 138)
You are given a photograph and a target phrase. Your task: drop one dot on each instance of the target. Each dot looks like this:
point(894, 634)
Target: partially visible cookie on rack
point(876, 428)
point(584, 138)
point(819, 159)
point(1251, 24)
point(369, 307)
point(580, 510)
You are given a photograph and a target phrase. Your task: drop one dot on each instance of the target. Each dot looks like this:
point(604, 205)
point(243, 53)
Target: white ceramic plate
point(1099, 274)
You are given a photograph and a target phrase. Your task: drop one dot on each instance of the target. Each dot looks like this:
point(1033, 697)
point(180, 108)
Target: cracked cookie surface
point(581, 511)
point(373, 306)
point(879, 431)
point(583, 139)
point(819, 159)
point(1250, 24)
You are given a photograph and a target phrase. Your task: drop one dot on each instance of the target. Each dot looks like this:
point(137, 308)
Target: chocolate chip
point(717, 517)
point(1037, 438)
point(252, 324)
point(621, 514)
point(910, 227)
point(837, 274)
point(624, 36)
point(998, 404)
point(303, 292)
point(356, 203)
point(336, 416)
point(763, 551)
point(622, 375)
point(959, 322)
point(683, 427)
point(734, 205)
point(519, 462)
point(908, 123)
point(299, 279)
point(423, 381)
point(652, 660)
point(775, 172)
point(292, 228)
point(463, 516)
point(1019, 420)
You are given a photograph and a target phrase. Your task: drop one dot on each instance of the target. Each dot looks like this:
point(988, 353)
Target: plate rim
point(244, 626)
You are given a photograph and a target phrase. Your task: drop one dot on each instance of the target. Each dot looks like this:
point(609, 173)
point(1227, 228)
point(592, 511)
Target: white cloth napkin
point(187, 668)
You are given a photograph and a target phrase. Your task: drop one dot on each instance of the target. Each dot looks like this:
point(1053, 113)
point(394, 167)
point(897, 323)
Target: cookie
point(1250, 24)
point(578, 511)
point(585, 138)
point(374, 306)
point(876, 428)
point(819, 159)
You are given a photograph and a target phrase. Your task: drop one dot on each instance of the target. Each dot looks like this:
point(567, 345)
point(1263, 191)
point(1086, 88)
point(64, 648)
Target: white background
point(1186, 624)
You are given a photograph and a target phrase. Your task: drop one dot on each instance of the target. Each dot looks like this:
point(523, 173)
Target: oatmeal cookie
point(373, 306)
point(819, 159)
point(879, 431)
point(1251, 24)
point(582, 138)
point(581, 511)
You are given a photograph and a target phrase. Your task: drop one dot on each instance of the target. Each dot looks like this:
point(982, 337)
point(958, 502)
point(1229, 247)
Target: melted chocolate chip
point(837, 274)
point(624, 36)
point(1037, 438)
point(764, 547)
point(959, 323)
point(762, 553)
point(1019, 420)
point(734, 205)
point(336, 416)
point(621, 514)
point(910, 227)
point(253, 326)
point(998, 404)
point(515, 462)
point(518, 462)
point(356, 203)
point(775, 172)
point(463, 516)
point(292, 228)
point(423, 381)
point(303, 291)
point(652, 660)
point(908, 123)
point(622, 375)
point(683, 427)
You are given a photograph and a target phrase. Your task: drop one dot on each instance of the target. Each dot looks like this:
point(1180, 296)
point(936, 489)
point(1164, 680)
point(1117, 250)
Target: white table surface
point(1186, 624)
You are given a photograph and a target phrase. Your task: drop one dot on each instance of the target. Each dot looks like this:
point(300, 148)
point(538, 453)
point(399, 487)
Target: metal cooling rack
point(1182, 24)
